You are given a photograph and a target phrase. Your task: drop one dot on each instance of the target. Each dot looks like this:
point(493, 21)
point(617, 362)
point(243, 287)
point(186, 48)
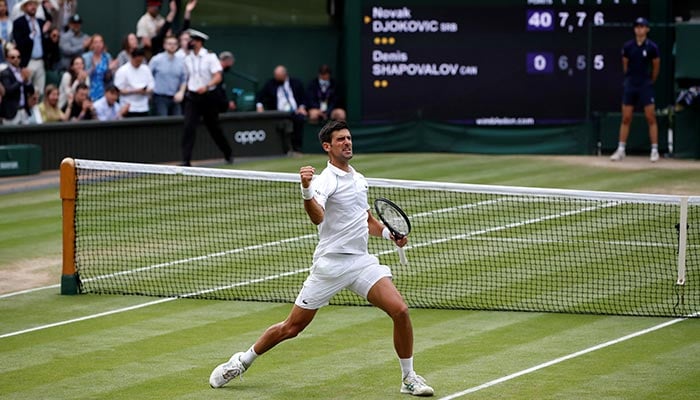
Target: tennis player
point(336, 201)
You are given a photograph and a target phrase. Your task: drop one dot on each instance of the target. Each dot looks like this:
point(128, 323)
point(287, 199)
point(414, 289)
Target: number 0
point(539, 62)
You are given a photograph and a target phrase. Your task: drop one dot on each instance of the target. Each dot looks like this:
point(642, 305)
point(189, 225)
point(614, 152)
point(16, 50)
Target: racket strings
point(394, 218)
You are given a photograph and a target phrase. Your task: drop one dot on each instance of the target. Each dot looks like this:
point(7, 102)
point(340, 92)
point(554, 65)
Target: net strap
point(682, 240)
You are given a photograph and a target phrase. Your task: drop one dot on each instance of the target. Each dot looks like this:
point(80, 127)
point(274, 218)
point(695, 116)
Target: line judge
point(203, 71)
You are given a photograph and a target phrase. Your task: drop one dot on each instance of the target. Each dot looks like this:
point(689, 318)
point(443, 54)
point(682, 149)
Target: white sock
point(621, 146)
point(654, 147)
point(249, 356)
point(406, 366)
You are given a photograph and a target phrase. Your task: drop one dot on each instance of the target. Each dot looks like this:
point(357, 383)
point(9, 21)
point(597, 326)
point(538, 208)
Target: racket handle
point(402, 256)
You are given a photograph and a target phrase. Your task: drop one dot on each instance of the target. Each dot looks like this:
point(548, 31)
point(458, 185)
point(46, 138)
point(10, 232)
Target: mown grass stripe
point(558, 360)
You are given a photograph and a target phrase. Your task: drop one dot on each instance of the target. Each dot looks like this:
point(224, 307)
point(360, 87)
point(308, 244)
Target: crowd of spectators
point(43, 40)
point(53, 71)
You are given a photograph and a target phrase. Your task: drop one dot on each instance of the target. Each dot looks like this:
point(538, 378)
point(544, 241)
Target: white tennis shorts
point(332, 273)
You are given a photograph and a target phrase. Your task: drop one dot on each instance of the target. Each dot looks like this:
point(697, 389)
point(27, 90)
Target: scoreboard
point(498, 62)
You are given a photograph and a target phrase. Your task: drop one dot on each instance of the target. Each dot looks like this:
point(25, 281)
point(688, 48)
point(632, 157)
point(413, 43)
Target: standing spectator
point(184, 36)
point(323, 97)
point(43, 10)
point(150, 23)
point(28, 32)
point(284, 93)
point(165, 30)
point(129, 44)
point(203, 74)
point(226, 97)
point(108, 107)
point(170, 79)
point(184, 49)
point(63, 14)
point(5, 27)
point(16, 82)
point(79, 106)
point(52, 52)
point(74, 42)
point(75, 76)
point(99, 65)
point(135, 83)
point(49, 109)
point(640, 64)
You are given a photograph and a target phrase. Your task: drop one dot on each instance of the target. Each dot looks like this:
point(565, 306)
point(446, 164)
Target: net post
point(682, 240)
point(68, 191)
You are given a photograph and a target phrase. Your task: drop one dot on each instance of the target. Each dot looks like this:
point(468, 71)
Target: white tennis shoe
point(415, 385)
point(223, 373)
point(618, 155)
point(654, 156)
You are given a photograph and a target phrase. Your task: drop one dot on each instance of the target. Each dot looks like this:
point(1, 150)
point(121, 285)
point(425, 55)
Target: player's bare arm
point(312, 208)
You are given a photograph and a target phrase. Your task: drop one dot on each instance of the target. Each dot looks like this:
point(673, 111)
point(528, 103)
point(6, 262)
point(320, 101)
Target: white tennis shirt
point(343, 196)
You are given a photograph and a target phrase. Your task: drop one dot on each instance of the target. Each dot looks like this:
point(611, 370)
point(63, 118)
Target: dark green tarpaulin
point(428, 136)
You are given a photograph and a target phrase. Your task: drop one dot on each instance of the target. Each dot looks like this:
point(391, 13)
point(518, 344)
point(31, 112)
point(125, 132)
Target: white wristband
point(386, 234)
point(307, 193)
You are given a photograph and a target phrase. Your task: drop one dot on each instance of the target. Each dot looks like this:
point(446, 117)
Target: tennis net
point(240, 235)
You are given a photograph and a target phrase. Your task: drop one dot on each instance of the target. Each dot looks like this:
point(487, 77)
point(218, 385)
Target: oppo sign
point(249, 137)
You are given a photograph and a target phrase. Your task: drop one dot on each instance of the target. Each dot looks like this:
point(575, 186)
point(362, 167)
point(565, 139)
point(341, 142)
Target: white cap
point(195, 34)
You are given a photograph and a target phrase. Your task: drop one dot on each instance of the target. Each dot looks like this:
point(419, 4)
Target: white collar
point(339, 171)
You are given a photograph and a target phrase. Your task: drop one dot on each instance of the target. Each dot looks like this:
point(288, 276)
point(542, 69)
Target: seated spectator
point(73, 42)
point(49, 109)
point(108, 107)
point(5, 26)
point(75, 75)
point(129, 44)
point(99, 65)
point(17, 85)
point(29, 114)
point(135, 83)
point(284, 93)
point(170, 80)
point(323, 98)
point(79, 107)
point(6, 47)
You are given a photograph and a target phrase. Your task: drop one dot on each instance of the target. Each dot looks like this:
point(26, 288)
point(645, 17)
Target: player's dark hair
point(327, 131)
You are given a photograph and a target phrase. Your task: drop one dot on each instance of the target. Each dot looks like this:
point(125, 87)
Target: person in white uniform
point(336, 201)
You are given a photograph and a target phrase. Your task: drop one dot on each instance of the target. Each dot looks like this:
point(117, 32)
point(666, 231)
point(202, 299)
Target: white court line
point(2, 296)
point(152, 303)
point(102, 314)
point(562, 359)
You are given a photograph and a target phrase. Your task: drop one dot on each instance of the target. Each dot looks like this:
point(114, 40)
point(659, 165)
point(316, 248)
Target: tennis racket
point(395, 220)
